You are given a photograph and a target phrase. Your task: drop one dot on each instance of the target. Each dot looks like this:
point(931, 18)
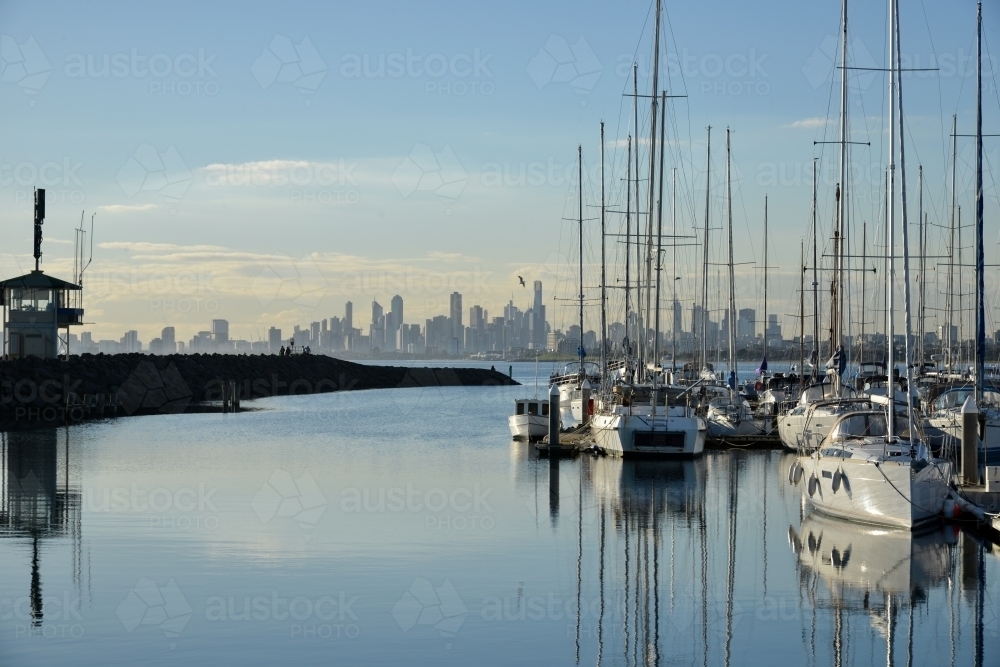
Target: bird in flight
point(522, 281)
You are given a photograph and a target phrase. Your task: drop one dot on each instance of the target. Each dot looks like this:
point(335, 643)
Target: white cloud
point(121, 208)
point(809, 123)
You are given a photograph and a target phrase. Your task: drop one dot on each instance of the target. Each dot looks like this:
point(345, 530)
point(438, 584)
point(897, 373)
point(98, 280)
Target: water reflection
point(676, 554)
point(38, 501)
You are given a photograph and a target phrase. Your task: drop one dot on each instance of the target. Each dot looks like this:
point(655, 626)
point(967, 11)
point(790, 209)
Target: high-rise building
point(678, 317)
point(348, 315)
point(168, 341)
point(773, 328)
point(274, 339)
point(746, 324)
point(457, 328)
point(396, 306)
point(220, 331)
point(537, 322)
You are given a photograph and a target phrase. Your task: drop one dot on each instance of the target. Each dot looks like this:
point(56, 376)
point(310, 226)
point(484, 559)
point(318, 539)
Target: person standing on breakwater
point(281, 352)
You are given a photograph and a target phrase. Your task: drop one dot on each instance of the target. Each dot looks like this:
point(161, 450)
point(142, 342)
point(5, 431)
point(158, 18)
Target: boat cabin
point(533, 406)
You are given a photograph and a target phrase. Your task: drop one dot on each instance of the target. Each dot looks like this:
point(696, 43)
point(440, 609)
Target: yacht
point(731, 416)
point(804, 426)
point(863, 473)
point(624, 429)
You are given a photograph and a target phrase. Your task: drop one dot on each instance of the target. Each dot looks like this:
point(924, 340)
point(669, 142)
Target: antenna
point(39, 219)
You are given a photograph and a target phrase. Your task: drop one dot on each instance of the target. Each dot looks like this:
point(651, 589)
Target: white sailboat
point(621, 426)
point(866, 469)
point(530, 420)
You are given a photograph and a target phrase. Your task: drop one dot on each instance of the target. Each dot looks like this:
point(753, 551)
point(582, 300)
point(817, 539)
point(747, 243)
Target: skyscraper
point(537, 322)
point(396, 306)
point(348, 316)
point(274, 339)
point(220, 331)
point(457, 329)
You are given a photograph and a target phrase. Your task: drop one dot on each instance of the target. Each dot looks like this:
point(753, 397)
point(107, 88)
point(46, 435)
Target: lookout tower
point(36, 307)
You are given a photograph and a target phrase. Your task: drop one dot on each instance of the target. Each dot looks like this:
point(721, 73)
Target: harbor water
point(394, 527)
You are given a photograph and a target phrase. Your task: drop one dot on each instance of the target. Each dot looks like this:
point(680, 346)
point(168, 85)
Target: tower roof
point(37, 280)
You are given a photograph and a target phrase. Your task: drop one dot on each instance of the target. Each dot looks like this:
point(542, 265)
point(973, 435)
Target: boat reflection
point(856, 570)
point(38, 501)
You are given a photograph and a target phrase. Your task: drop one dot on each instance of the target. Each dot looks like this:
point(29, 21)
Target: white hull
point(875, 490)
point(950, 423)
point(528, 427)
point(633, 432)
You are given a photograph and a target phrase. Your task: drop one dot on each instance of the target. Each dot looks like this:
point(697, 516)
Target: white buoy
point(970, 441)
point(585, 401)
point(553, 416)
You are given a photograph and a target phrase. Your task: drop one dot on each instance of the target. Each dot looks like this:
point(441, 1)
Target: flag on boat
point(838, 362)
point(763, 365)
point(580, 352)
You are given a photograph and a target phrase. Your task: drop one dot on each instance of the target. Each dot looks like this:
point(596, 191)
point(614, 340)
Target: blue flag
point(763, 365)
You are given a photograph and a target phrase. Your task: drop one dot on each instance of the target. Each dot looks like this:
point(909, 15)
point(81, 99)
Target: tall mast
point(840, 234)
point(652, 166)
point(815, 285)
point(922, 264)
point(950, 301)
point(628, 236)
point(704, 282)
point(802, 316)
point(906, 244)
point(835, 292)
point(579, 157)
point(673, 271)
point(731, 334)
point(659, 261)
point(765, 277)
point(890, 224)
point(980, 259)
point(640, 338)
point(604, 299)
point(864, 291)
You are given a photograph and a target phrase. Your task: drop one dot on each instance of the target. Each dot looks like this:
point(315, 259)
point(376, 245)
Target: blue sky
point(226, 186)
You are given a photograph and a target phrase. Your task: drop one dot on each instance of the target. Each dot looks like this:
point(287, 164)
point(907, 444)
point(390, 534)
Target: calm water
point(403, 527)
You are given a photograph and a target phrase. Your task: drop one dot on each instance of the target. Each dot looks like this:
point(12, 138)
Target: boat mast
point(840, 232)
point(659, 262)
point(765, 277)
point(652, 168)
point(802, 317)
point(980, 259)
point(628, 236)
point(864, 281)
point(922, 264)
point(673, 271)
point(835, 293)
point(704, 280)
point(604, 299)
point(731, 334)
point(815, 371)
point(640, 338)
point(950, 305)
point(890, 220)
point(579, 157)
point(906, 246)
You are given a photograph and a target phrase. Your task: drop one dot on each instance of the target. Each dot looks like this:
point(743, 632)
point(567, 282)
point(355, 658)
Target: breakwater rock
point(39, 392)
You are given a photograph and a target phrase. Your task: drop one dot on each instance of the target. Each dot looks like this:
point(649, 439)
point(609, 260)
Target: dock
point(571, 442)
point(763, 441)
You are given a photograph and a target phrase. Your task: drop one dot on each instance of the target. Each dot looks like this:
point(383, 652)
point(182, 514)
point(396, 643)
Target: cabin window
point(532, 408)
point(545, 409)
point(520, 408)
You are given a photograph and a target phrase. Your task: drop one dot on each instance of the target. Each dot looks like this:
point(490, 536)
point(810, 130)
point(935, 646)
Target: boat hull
point(886, 493)
point(678, 434)
point(528, 427)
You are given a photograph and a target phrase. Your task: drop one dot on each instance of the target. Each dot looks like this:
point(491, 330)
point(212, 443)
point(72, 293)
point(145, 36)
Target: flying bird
point(522, 281)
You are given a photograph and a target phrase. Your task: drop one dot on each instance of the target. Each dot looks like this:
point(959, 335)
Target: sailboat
point(730, 415)
point(624, 424)
point(945, 410)
point(868, 469)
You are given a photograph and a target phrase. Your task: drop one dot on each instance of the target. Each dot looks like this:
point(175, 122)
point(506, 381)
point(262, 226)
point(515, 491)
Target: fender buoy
point(794, 473)
point(813, 485)
point(758, 385)
point(836, 480)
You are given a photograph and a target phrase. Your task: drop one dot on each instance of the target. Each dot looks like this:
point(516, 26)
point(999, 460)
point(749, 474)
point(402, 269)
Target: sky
point(266, 162)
